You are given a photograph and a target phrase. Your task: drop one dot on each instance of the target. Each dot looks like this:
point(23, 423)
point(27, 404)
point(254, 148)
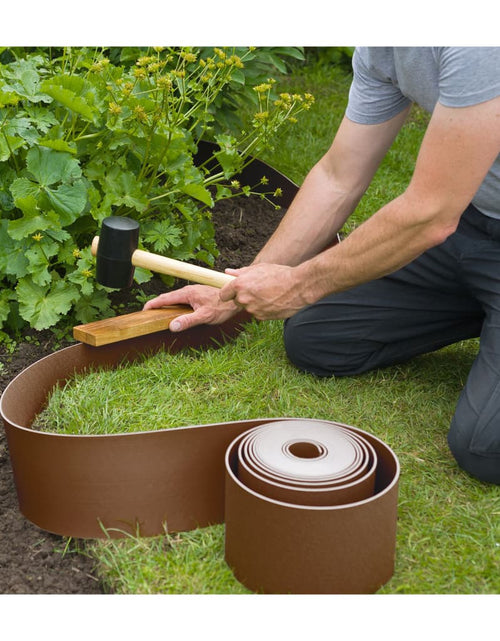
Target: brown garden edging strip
point(176, 479)
point(188, 477)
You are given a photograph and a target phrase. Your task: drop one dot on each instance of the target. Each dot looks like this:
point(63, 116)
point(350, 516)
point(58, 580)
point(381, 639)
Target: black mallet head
point(113, 250)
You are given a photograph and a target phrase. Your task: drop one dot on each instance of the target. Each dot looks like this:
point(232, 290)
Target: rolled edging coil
point(310, 508)
point(307, 463)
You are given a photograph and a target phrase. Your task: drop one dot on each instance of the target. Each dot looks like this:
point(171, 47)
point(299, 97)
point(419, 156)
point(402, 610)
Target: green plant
point(83, 137)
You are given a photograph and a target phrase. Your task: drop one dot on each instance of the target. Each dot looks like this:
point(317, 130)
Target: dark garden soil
point(33, 561)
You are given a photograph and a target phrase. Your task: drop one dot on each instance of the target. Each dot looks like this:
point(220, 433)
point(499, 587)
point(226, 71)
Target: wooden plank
point(119, 328)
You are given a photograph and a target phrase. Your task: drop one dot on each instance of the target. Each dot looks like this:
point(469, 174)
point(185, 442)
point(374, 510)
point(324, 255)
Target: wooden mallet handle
point(176, 268)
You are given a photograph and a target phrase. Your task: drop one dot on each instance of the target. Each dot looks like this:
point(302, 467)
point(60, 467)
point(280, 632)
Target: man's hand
point(266, 291)
point(206, 303)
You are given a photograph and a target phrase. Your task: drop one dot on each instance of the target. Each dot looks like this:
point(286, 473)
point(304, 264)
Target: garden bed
point(33, 561)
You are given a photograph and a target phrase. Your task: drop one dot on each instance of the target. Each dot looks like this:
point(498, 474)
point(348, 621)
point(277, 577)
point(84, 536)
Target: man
point(423, 271)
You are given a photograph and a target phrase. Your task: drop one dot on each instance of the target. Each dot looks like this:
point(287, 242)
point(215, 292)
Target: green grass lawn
point(448, 536)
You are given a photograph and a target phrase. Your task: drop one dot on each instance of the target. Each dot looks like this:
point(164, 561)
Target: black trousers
point(450, 293)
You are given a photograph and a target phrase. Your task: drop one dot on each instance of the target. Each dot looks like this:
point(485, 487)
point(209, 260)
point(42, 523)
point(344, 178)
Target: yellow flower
point(236, 61)
point(309, 100)
point(164, 82)
point(100, 65)
point(264, 180)
point(143, 61)
point(38, 237)
point(154, 66)
point(262, 88)
point(76, 253)
point(235, 184)
point(87, 273)
point(140, 114)
point(188, 56)
point(127, 88)
point(114, 108)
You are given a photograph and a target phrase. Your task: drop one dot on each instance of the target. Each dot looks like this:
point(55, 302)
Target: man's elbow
point(441, 229)
point(437, 219)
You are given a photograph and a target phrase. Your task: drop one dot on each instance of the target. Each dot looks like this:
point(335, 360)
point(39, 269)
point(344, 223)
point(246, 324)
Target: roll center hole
point(304, 449)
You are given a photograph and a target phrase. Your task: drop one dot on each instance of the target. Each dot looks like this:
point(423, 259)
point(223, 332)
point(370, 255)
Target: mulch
point(33, 561)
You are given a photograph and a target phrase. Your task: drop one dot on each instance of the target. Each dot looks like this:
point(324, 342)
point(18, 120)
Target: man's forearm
point(390, 239)
point(318, 211)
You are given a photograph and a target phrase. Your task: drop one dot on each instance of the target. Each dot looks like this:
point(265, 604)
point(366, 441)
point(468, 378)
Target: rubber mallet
point(117, 256)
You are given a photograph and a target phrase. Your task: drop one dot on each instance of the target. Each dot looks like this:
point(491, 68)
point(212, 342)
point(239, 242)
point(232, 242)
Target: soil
point(33, 561)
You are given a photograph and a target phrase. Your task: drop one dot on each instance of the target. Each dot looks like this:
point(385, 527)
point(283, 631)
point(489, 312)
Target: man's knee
point(324, 353)
point(481, 462)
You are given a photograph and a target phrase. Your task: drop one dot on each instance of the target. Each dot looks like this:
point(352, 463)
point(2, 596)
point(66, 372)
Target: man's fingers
point(183, 322)
point(175, 297)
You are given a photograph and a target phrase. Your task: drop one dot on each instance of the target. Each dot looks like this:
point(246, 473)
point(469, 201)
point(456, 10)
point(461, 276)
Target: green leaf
point(12, 259)
point(43, 307)
point(25, 79)
point(79, 277)
point(6, 201)
point(25, 195)
point(161, 234)
point(238, 76)
point(41, 117)
point(9, 144)
point(4, 305)
point(20, 125)
point(123, 188)
point(142, 275)
point(294, 52)
point(223, 192)
point(68, 201)
point(26, 226)
point(49, 167)
point(8, 97)
point(87, 308)
point(28, 205)
point(228, 156)
point(199, 192)
point(23, 188)
point(58, 145)
point(38, 265)
point(69, 91)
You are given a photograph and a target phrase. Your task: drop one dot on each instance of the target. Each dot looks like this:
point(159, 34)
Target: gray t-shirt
point(388, 79)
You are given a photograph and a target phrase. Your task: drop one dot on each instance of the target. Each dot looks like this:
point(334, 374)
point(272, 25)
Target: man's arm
point(458, 149)
point(329, 194)
point(331, 191)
